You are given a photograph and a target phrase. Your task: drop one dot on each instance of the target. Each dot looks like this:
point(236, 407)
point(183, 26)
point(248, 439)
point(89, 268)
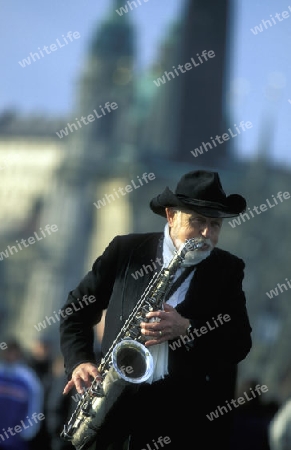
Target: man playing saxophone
point(195, 339)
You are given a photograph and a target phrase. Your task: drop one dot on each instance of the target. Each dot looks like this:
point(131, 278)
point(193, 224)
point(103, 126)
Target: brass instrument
point(95, 407)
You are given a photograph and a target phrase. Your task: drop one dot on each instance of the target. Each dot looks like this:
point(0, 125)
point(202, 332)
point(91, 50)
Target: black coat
point(202, 375)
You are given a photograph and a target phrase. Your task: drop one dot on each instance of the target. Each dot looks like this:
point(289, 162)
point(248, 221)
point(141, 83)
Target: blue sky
point(257, 87)
point(260, 70)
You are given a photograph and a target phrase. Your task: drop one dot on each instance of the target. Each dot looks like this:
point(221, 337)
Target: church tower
point(107, 77)
point(187, 108)
point(206, 27)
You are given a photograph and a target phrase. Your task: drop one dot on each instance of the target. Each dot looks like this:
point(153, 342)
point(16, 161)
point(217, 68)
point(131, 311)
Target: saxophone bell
point(132, 361)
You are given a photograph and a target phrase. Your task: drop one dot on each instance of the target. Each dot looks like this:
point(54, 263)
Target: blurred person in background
point(40, 359)
point(59, 407)
point(195, 365)
point(21, 399)
point(279, 431)
point(252, 418)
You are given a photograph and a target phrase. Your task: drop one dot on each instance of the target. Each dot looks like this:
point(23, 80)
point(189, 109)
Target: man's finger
point(94, 372)
point(68, 387)
point(79, 385)
point(151, 342)
point(168, 307)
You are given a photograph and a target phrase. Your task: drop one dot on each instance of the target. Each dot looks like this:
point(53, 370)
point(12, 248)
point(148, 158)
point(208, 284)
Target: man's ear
point(170, 215)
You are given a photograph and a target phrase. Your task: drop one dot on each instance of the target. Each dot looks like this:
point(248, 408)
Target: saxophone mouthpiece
point(194, 243)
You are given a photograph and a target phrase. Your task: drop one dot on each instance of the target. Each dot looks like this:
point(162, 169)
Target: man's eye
point(197, 221)
point(216, 224)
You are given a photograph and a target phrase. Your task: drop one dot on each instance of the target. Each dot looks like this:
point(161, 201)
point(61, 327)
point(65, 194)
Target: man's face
point(188, 224)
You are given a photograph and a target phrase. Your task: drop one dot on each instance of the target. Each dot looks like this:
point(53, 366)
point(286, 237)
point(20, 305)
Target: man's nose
point(205, 231)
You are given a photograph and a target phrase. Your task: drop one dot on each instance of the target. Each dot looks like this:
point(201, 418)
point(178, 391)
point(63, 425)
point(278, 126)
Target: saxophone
point(92, 415)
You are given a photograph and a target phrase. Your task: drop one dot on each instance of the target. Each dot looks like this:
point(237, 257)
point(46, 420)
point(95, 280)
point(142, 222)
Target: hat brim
point(234, 205)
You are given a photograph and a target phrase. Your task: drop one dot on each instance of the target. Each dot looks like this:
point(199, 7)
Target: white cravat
point(160, 351)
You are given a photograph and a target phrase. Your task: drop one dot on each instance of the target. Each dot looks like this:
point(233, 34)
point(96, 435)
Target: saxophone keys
point(98, 391)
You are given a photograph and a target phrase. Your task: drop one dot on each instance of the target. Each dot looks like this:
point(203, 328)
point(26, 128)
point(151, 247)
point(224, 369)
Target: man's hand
point(82, 376)
point(169, 326)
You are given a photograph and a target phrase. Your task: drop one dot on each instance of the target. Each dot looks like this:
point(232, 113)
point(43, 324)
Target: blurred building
point(74, 181)
point(30, 155)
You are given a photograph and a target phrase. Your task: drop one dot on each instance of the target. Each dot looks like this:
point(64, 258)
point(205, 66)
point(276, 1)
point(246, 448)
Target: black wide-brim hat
point(200, 191)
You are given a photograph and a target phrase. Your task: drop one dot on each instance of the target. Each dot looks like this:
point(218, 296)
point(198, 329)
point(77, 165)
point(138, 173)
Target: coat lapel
point(203, 290)
point(143, 264)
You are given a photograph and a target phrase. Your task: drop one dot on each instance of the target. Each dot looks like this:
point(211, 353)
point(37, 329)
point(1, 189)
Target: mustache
point(207, 242)
point(193, 257)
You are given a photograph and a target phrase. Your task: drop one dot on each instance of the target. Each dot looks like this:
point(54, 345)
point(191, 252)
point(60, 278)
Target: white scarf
point(160, 351)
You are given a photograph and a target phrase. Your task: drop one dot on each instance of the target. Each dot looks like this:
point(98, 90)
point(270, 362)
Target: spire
point(115, 36)
point(107, 76)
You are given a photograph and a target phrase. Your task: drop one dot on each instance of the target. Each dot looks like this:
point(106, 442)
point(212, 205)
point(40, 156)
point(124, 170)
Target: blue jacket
point(21, 395)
